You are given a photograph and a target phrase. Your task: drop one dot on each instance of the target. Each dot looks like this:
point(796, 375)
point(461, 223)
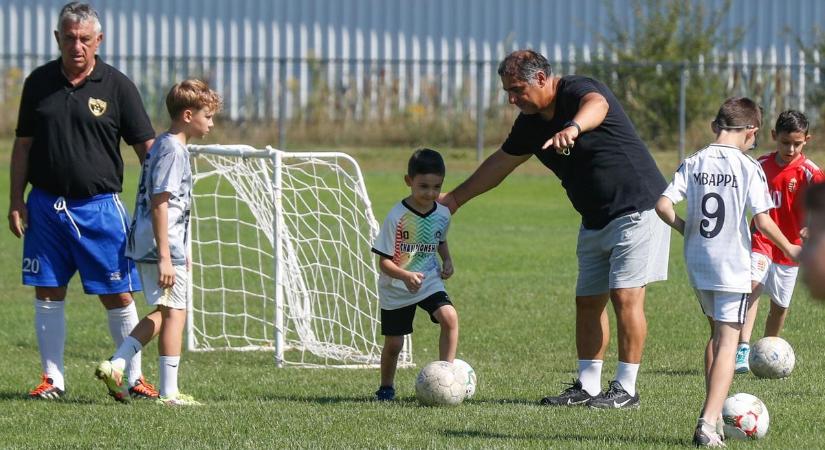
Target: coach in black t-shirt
point(73, 113)
point(578, 129)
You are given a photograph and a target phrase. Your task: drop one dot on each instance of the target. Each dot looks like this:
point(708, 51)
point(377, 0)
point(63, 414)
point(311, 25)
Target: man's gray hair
point(523, 65)
point(77, 12)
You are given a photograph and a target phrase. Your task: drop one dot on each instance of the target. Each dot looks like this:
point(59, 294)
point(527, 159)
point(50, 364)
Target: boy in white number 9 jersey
point(722, 185)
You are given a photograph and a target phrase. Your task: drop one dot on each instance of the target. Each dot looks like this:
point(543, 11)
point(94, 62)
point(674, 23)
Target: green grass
point(514, 253)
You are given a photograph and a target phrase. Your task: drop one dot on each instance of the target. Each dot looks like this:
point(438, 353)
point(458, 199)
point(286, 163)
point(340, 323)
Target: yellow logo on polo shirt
point(97, 106)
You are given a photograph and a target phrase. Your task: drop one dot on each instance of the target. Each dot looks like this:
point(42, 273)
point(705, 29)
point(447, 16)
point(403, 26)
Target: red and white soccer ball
point(771, 357)
point(745, 417)
point(472, 379)
point(441, 384)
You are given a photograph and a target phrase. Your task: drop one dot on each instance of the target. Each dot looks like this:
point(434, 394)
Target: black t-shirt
point(609, 172)
point(76, 130)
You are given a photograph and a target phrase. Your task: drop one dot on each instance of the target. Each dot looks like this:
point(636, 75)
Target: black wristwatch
point(572, 123)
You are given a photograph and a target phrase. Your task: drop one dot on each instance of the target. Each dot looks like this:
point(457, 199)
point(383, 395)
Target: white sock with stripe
point(50, 328)
point(168, 368)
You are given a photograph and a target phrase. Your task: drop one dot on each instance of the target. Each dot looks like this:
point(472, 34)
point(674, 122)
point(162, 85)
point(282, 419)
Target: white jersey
point(165, 169)
point(722, 185)
point(411, 240)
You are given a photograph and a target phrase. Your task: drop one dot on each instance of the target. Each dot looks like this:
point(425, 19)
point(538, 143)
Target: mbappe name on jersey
point(715, 179)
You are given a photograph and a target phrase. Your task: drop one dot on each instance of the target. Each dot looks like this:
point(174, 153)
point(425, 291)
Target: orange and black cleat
point(46, 390)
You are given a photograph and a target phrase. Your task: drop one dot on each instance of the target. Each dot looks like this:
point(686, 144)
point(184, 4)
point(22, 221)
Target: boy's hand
point(166, 274)
point(447, 269)
point(803, 233)
point(413, 281)
point(793, 252)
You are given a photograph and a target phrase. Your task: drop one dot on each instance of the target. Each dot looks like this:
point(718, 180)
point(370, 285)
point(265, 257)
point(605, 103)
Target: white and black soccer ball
point(472, 379)
point(771, 357)
point(745, 417)
point(441, 383)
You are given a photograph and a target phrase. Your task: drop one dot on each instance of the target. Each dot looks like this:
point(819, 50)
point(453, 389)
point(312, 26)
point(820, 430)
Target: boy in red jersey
point(789, 173)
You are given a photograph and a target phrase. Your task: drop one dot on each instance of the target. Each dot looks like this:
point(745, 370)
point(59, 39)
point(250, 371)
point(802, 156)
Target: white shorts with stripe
point(778, 280)
point(722, 306)
point(174, 297)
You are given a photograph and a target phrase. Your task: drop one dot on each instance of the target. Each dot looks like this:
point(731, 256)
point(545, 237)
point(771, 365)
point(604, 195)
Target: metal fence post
point(479, 111)
point(282, 105)
point(682, 112)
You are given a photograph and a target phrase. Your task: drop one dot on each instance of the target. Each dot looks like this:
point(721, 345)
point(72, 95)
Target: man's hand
point(18, 218)
point(413, 281)
point(449, 201)
point(563, 140)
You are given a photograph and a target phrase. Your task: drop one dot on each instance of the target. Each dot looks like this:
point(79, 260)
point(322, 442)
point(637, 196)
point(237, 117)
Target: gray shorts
point(631, 251)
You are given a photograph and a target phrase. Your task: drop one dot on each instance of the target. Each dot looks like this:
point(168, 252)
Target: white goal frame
point(293, 290)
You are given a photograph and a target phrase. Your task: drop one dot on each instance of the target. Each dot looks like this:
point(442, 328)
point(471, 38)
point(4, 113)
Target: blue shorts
point(86, 235)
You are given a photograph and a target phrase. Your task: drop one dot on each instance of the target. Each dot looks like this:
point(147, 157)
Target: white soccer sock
point(169, 375)
point(50, 327)
point(590, 375)
point(626, 375)
point(127, 350)
point(121, 322)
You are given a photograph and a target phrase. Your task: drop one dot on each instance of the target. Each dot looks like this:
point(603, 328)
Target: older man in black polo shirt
point(576, 127)
point(73, 113)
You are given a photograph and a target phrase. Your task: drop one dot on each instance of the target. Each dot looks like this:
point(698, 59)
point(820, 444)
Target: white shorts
point(778, 280)
point(631, 251)
point(174, 297)
point(722, 306)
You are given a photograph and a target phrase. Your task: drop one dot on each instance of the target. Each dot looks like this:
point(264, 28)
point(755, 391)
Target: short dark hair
point(426, 161)
point(738, 113)
point(791, 121)
point(524, 65)
point(192, 94)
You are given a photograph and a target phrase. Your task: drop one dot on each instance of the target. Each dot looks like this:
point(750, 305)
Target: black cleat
point(574, 395)
point(615, 398)
point(385, 394)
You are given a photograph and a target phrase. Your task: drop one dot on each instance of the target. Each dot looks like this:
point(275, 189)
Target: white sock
point(127, 350)
point(50, 327)
point(169, 375)
point(121, 322)
point(590, 375)
point(743, 345)
point(626, 375)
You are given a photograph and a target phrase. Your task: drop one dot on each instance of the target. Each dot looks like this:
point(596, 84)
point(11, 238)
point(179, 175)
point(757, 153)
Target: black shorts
point(398, 322)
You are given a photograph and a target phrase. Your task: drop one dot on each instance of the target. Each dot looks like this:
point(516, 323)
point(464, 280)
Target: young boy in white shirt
point(721, 185)
point(158, 238)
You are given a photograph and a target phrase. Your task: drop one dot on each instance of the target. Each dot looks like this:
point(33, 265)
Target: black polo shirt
point(609, 172)
point(76, 130)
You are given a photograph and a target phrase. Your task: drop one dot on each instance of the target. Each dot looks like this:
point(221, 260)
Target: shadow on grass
point(569, 436)
point(399, 401)
point(24, 396)
point(676, 372)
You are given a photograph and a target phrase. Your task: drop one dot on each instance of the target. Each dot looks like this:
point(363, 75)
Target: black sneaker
point(385, 394)
point(572, 396)
point(615, 397)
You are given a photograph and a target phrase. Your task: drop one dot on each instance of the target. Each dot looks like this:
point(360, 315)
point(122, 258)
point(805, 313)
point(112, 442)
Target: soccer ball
point(472, 380)
point(441, 383)
point(771, 357)
point(745, 417)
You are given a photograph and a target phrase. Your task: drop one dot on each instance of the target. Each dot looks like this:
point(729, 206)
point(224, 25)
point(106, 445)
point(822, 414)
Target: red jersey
point(787, 185)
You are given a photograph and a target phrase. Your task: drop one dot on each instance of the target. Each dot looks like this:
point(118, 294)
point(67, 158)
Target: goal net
point(281, 260)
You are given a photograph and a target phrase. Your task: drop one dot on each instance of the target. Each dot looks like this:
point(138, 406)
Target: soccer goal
point(281, 260)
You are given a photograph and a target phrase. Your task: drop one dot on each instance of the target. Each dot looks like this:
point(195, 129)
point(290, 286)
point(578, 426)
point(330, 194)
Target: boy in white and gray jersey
point(722, 185)
point(157, 241)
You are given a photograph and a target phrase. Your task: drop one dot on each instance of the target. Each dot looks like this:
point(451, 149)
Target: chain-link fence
point(374, 102)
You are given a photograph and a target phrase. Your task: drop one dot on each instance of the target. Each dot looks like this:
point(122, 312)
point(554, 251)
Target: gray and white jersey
point(165, 169)
point(722, 187)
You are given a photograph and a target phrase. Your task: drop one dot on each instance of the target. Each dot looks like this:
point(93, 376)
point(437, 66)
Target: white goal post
point(280, 244)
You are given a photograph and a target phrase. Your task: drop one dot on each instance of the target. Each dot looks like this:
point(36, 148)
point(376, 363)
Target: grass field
point(514, 253)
